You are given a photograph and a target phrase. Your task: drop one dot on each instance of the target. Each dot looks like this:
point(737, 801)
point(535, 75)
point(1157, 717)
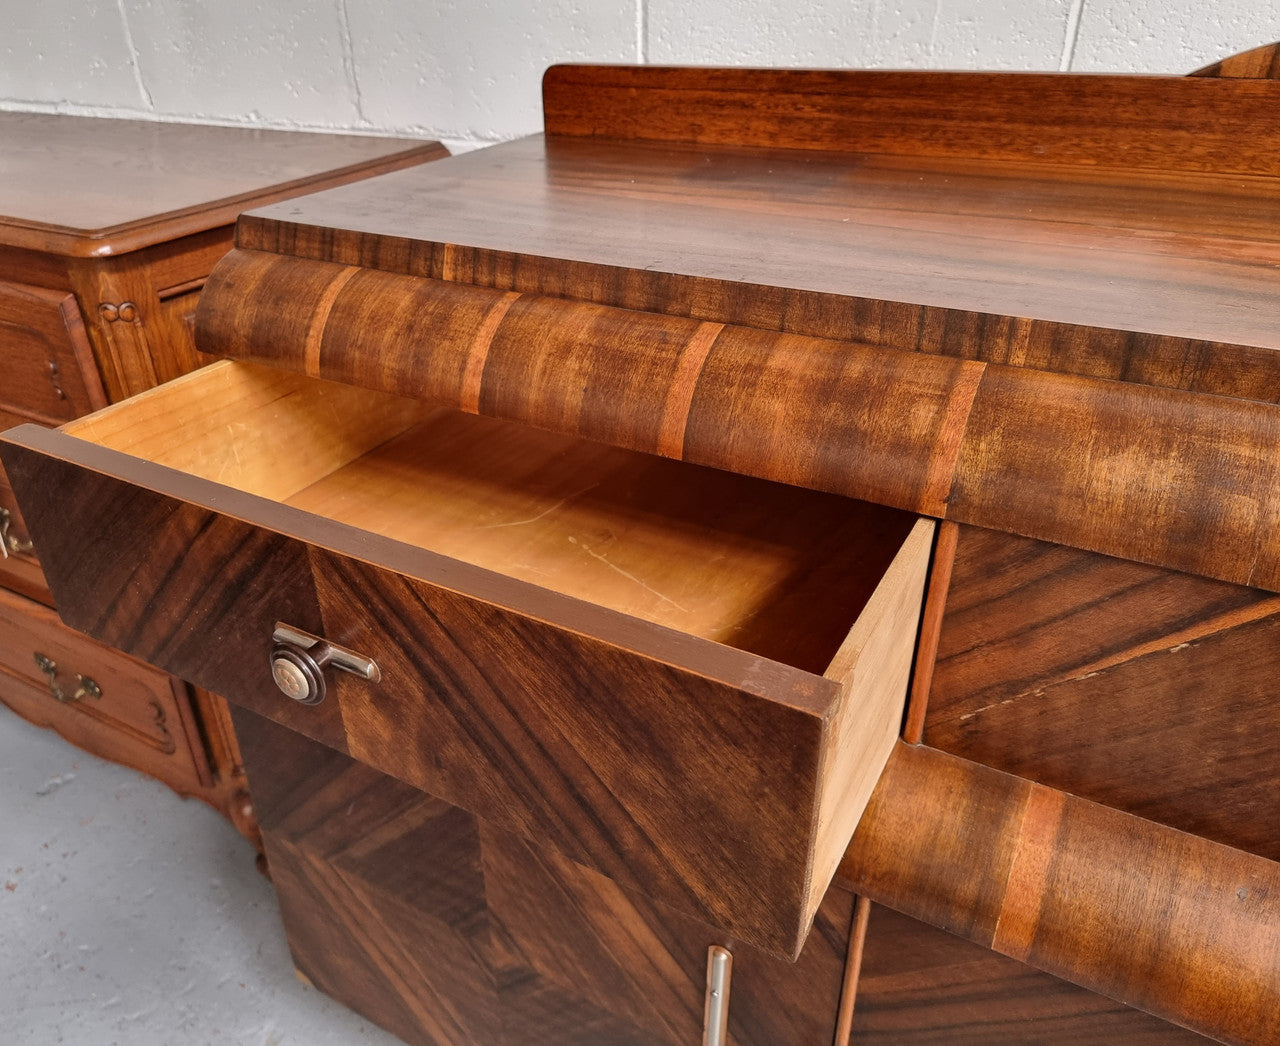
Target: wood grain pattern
point(90, 187)
point(1154, 276)
point(48, 366)
point(925, 987)
point(109, 229)
point(1108, 121)
point(1170, 923)
point(761, 567)
point(1159, 476)
point(450, 932)
point(714, 779)
point(195, 567)
point(1261, 63)
point(246, 429)
point(873, 666)
point(1139, 688)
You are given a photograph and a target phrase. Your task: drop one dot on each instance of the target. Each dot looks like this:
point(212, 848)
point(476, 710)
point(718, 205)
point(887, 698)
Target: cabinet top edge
point(87, 187)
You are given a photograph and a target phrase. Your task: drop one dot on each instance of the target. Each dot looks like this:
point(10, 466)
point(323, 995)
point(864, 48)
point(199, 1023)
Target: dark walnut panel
point(685, 786)
point(177, 585)
point(449, 932)
point(1167, 922)
point(1143, 689)
point(921, 986)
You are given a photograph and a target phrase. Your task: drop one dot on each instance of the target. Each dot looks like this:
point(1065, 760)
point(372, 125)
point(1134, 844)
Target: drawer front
point(685, 770)
point(95, 697)
point(45, 357)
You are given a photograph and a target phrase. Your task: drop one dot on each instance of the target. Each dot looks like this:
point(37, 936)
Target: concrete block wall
point(467, 71)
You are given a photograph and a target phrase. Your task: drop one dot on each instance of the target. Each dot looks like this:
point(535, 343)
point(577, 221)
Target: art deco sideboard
point(108, 231)
point(782, 555)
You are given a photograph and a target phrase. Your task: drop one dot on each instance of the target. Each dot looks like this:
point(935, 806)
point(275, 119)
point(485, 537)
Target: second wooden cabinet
point(108, 230)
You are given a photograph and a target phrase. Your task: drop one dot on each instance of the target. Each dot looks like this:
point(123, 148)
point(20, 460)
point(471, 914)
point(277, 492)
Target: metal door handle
point(298, 661)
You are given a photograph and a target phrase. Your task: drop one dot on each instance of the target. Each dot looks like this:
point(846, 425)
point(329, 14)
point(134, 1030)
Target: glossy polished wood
point(88, 187)
point(1258, 63)
point(1178, 479)
point(1168, 922)
point(450, 932)
point(1148, 276)
point(1077, 345)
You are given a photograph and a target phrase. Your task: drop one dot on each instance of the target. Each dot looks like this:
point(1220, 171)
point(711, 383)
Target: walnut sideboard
point(781, 556)
point(108, 231)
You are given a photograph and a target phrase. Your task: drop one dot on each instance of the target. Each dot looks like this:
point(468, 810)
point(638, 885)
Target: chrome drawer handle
point(86, 687)
point(11, 542)
point(715, 1016)
point(298, 661)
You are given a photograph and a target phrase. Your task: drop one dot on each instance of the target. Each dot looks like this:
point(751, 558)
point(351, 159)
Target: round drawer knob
point(299, 672)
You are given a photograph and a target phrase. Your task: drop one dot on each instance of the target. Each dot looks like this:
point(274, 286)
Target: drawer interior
point(778, 571)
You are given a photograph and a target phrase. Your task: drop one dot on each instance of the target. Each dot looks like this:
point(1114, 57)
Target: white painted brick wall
point(467, 71)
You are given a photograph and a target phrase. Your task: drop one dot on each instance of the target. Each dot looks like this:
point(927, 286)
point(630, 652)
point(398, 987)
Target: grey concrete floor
point(130, 917)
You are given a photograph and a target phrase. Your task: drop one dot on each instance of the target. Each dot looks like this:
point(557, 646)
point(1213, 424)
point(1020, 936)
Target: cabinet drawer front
point(718, 781)
point(685, 786)
point(95, 697)
point(45, 355)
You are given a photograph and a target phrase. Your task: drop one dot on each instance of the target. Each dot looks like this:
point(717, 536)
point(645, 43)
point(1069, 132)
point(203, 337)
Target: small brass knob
point(299, 672)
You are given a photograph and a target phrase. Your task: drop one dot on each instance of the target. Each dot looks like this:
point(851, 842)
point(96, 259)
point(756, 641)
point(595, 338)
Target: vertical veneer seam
point(320, 319)
point(931, 618)
point(945, 460)
point(684, 382)
point(478, 351)
point(1030, 869)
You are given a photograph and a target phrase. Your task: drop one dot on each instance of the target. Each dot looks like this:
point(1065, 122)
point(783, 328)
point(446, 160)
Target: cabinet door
point(449, 932)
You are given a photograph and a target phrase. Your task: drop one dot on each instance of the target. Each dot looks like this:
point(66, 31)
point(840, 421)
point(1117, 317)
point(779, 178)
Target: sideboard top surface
point(84, 186)
point(1181, 254)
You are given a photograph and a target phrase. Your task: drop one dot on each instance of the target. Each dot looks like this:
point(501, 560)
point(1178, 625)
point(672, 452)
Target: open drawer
point(686, 679)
